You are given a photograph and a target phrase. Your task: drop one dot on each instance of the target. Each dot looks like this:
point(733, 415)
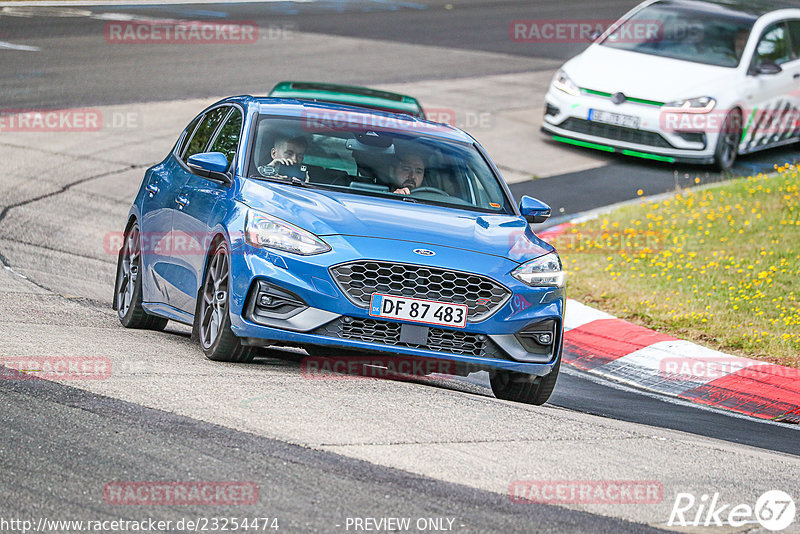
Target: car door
point(163, 183)
point(195, 206)
point(774, 97)
point(169, 273)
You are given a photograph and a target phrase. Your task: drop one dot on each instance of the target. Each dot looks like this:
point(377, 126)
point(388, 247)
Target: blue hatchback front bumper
point(325, 316)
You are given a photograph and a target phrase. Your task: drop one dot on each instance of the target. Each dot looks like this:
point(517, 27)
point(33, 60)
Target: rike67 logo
point(774, 510)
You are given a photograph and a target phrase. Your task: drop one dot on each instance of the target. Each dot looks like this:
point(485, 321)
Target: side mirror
point(768, 68)
point(213, 165)
point(534, 210)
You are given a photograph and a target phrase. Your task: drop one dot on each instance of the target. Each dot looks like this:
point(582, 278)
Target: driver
point(407, 173)
point(740, 42)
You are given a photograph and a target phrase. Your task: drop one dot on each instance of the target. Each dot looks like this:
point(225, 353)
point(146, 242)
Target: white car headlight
point(262, 230)
point(702, 104)
point(543, 271)
point(563, 83)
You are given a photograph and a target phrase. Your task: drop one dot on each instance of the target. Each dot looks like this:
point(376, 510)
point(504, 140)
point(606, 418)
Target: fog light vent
point(268, 301)
point(551, 110)
point(538, 338)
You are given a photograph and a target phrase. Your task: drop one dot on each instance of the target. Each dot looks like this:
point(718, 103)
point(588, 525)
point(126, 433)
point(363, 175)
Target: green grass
point(718, 266)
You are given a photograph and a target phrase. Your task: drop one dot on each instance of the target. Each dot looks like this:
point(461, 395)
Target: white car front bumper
point(567, 118)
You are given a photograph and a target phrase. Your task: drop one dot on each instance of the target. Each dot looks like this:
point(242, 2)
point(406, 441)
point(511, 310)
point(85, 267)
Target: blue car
point(343, 231)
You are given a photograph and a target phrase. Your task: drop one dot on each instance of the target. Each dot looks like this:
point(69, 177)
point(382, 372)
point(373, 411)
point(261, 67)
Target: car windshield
point(395, 158)
point(716, 38)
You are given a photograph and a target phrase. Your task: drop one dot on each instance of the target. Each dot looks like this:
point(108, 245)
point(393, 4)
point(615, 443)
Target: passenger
point(287, 155)
point(288, 151)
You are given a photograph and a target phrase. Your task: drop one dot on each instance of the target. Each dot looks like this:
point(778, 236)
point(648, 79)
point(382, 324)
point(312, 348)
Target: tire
point(520, 387)
point(728, 143)
point(212, 322)
point(128, 286)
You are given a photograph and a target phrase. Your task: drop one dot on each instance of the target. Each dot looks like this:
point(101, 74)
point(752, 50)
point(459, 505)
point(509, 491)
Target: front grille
point(386, 333)
point(616, 133)
point(360, 279)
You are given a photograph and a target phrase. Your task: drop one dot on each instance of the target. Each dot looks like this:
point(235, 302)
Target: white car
point(684, 80)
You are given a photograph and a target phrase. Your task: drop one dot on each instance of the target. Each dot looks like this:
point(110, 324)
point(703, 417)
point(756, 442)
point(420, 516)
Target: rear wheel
point(128, 288)
point(520, 387)
point(728, 142)
point(213, 320)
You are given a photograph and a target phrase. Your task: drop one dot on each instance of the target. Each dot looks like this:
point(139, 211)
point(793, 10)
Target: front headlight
point(545, 271)
point(262, 230)
point(702, 104)
point(562, 82)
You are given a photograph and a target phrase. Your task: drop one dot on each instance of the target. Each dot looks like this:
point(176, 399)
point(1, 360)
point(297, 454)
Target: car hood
point(333, 213)
point(638, 75)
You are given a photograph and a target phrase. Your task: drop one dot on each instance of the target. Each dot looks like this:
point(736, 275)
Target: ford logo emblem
point(424, 252)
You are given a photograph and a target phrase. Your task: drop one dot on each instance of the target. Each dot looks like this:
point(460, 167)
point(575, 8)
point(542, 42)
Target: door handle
point(152, 189)
point(182, 201)
point(796, 76)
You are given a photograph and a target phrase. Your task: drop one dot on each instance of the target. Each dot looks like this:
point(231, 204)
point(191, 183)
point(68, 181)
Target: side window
point(773, 46)
point(228, 138)
point(203, 133)
point(189, 132)
point(794, 34)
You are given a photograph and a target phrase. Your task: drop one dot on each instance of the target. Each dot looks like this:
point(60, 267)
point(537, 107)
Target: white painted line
point(12, 271)
point(673, 367)
point(12, 46)
point(578, 314)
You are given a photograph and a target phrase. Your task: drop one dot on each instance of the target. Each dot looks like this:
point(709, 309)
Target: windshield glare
point(383, 162)
point(682, 33)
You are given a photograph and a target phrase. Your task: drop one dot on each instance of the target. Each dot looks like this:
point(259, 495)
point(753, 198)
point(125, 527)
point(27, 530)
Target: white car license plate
point(616, 119)
point(418, 310)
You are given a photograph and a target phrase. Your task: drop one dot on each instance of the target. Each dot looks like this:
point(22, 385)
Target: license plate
point(418, 310)
point(616, 119)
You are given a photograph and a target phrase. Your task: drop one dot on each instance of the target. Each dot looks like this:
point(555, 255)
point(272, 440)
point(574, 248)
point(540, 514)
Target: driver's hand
point(281, 161)
point(402, 191)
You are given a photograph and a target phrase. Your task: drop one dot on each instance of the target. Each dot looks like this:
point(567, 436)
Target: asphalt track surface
point(45, 425)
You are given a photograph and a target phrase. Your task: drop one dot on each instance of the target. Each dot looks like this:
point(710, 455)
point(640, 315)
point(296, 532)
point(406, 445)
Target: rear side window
point(202, 135)
point(794, 35)
point(228, 138)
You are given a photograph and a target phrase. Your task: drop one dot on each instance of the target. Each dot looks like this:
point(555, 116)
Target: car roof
point(352, 95)
point(752, 9)
point(293, 108)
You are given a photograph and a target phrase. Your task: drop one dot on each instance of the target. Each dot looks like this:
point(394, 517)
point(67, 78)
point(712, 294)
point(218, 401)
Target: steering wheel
point(429, 190)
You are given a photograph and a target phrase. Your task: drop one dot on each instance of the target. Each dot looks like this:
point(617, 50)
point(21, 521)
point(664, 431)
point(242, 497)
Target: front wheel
point(128, 287)
point(728, 142)
point(520, 387)
point(213, 320)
